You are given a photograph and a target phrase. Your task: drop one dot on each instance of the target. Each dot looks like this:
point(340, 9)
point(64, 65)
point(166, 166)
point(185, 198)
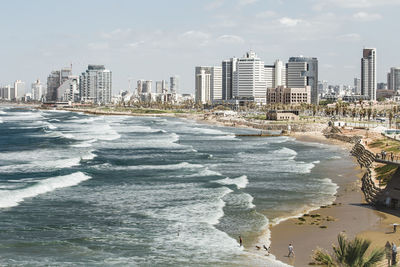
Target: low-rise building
point(284, 95)
point(283, 115)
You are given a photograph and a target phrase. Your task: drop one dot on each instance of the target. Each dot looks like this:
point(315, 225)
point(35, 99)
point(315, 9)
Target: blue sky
point(156, 39)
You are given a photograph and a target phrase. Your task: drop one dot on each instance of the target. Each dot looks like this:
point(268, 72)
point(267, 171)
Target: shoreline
point(305, 238)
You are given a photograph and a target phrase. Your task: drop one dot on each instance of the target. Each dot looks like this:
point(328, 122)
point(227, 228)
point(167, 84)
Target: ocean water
point(81, 190)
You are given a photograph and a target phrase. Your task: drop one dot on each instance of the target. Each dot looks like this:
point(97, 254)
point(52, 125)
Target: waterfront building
point(37, 90)
point(249, 79)
point(216, 83)
point(68, 91)
point(301, 72)
point(6, 92)
point(203, 84)
point(289, 96)
point(393, 80)
point(174, 84)
point(228, 68)
point(368, 73)
point(95, 85)
point(54, 81)
point(19, 90)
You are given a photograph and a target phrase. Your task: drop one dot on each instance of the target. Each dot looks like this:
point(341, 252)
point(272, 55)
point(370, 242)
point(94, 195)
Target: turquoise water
point(80, 190)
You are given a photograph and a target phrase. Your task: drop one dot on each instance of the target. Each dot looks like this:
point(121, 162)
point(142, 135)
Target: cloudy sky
point(156, 39)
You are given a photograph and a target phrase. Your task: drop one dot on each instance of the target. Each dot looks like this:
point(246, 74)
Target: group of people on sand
point(290, 248)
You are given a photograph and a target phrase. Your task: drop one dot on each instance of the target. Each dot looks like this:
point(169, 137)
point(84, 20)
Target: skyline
point(139, 41)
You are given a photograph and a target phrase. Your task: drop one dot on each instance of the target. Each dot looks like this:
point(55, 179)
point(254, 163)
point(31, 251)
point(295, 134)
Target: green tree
point(390, 119)
point(369, 113)
point(349, 253)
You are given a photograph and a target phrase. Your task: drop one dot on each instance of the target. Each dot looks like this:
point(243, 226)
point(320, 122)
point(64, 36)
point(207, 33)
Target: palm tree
point(390, 119)
point(349, 253)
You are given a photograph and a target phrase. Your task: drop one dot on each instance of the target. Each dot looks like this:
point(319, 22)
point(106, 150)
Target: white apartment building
point(393, 80)
point(275, 75)
point(37, 90)
point(249, 79)
point(19, 90)
point(95, 85)
point(203, 84)
point(216, 83)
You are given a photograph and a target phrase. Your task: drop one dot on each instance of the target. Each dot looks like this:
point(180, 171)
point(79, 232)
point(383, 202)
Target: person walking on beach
point(240, 241)
point(394, 253)
point(291, 250)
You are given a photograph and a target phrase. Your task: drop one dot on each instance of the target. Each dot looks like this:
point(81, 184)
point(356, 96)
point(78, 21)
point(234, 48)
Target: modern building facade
point(203, 84)
point(249, 79)
point(289, 96)
point(301, 72)
point(216, 83)
point(393, 80)
point(368, 73)
point(228, 68)
point(174, 84)
point(357, 86)
point(19, 90)
point(37, 90)
point(161, 87)
point(95, 85)
point(275, 75)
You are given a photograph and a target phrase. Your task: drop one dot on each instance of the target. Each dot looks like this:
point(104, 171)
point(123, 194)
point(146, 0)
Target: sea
point(85, 190)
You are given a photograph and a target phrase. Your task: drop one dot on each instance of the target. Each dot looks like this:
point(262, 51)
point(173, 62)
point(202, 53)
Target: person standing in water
point(240, 241)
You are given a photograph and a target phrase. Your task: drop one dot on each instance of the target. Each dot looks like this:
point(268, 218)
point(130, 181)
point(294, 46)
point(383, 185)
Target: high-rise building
point(228, 68)
point(6, 92)
point(301, 72)
point(53, 82)
point(174, 84)
point(292, 96)
point(19, 89)
point(393, 80)
point(357, 86)
point(203, 84)
point(161, 87)
point(275, 75)
point(368, 73)
point(37, 90)
point(69, 90)
point(95, 85)
point(216, 83)
point(249, 79)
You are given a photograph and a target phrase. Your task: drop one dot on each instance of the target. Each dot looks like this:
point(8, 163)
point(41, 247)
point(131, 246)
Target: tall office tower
point(275, 75)
point(357, 86)
point(303, 71)
point(249, 79)
point(203, 84)
point(161, 87)
point(6, 92)
point(393, 80)
point(19, 87)
point(368, 73)
point(139, 87)
point(228, 68)
point(174, 84)
point(37, 90)
point(95, 85)
point(216, 83)
point(53, 82)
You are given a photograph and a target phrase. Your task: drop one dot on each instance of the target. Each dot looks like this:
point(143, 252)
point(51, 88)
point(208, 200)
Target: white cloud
point(230, 39)
point(319, 5)
point(192, 34)
point(289, 22)
point(135, 44)
point(364, 16)
point(117, 34)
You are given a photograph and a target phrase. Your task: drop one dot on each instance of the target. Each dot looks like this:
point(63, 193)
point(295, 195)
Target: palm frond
point(375, 256)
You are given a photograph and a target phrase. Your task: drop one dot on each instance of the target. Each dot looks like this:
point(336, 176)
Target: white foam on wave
point(240, 200)
point(316, 162)
point(41, 165)
point(335, 157)
point(22, 116)
point(285, 151)
point(89, 156)
point(207, 131)
point(2, 112)
point(50, 126)
point(87, 143)
point(11, 198)
point(240, 182)
point(182, 165)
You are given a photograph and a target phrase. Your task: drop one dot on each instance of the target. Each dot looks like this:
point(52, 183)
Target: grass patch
point(386, 144)
point(385, 173)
